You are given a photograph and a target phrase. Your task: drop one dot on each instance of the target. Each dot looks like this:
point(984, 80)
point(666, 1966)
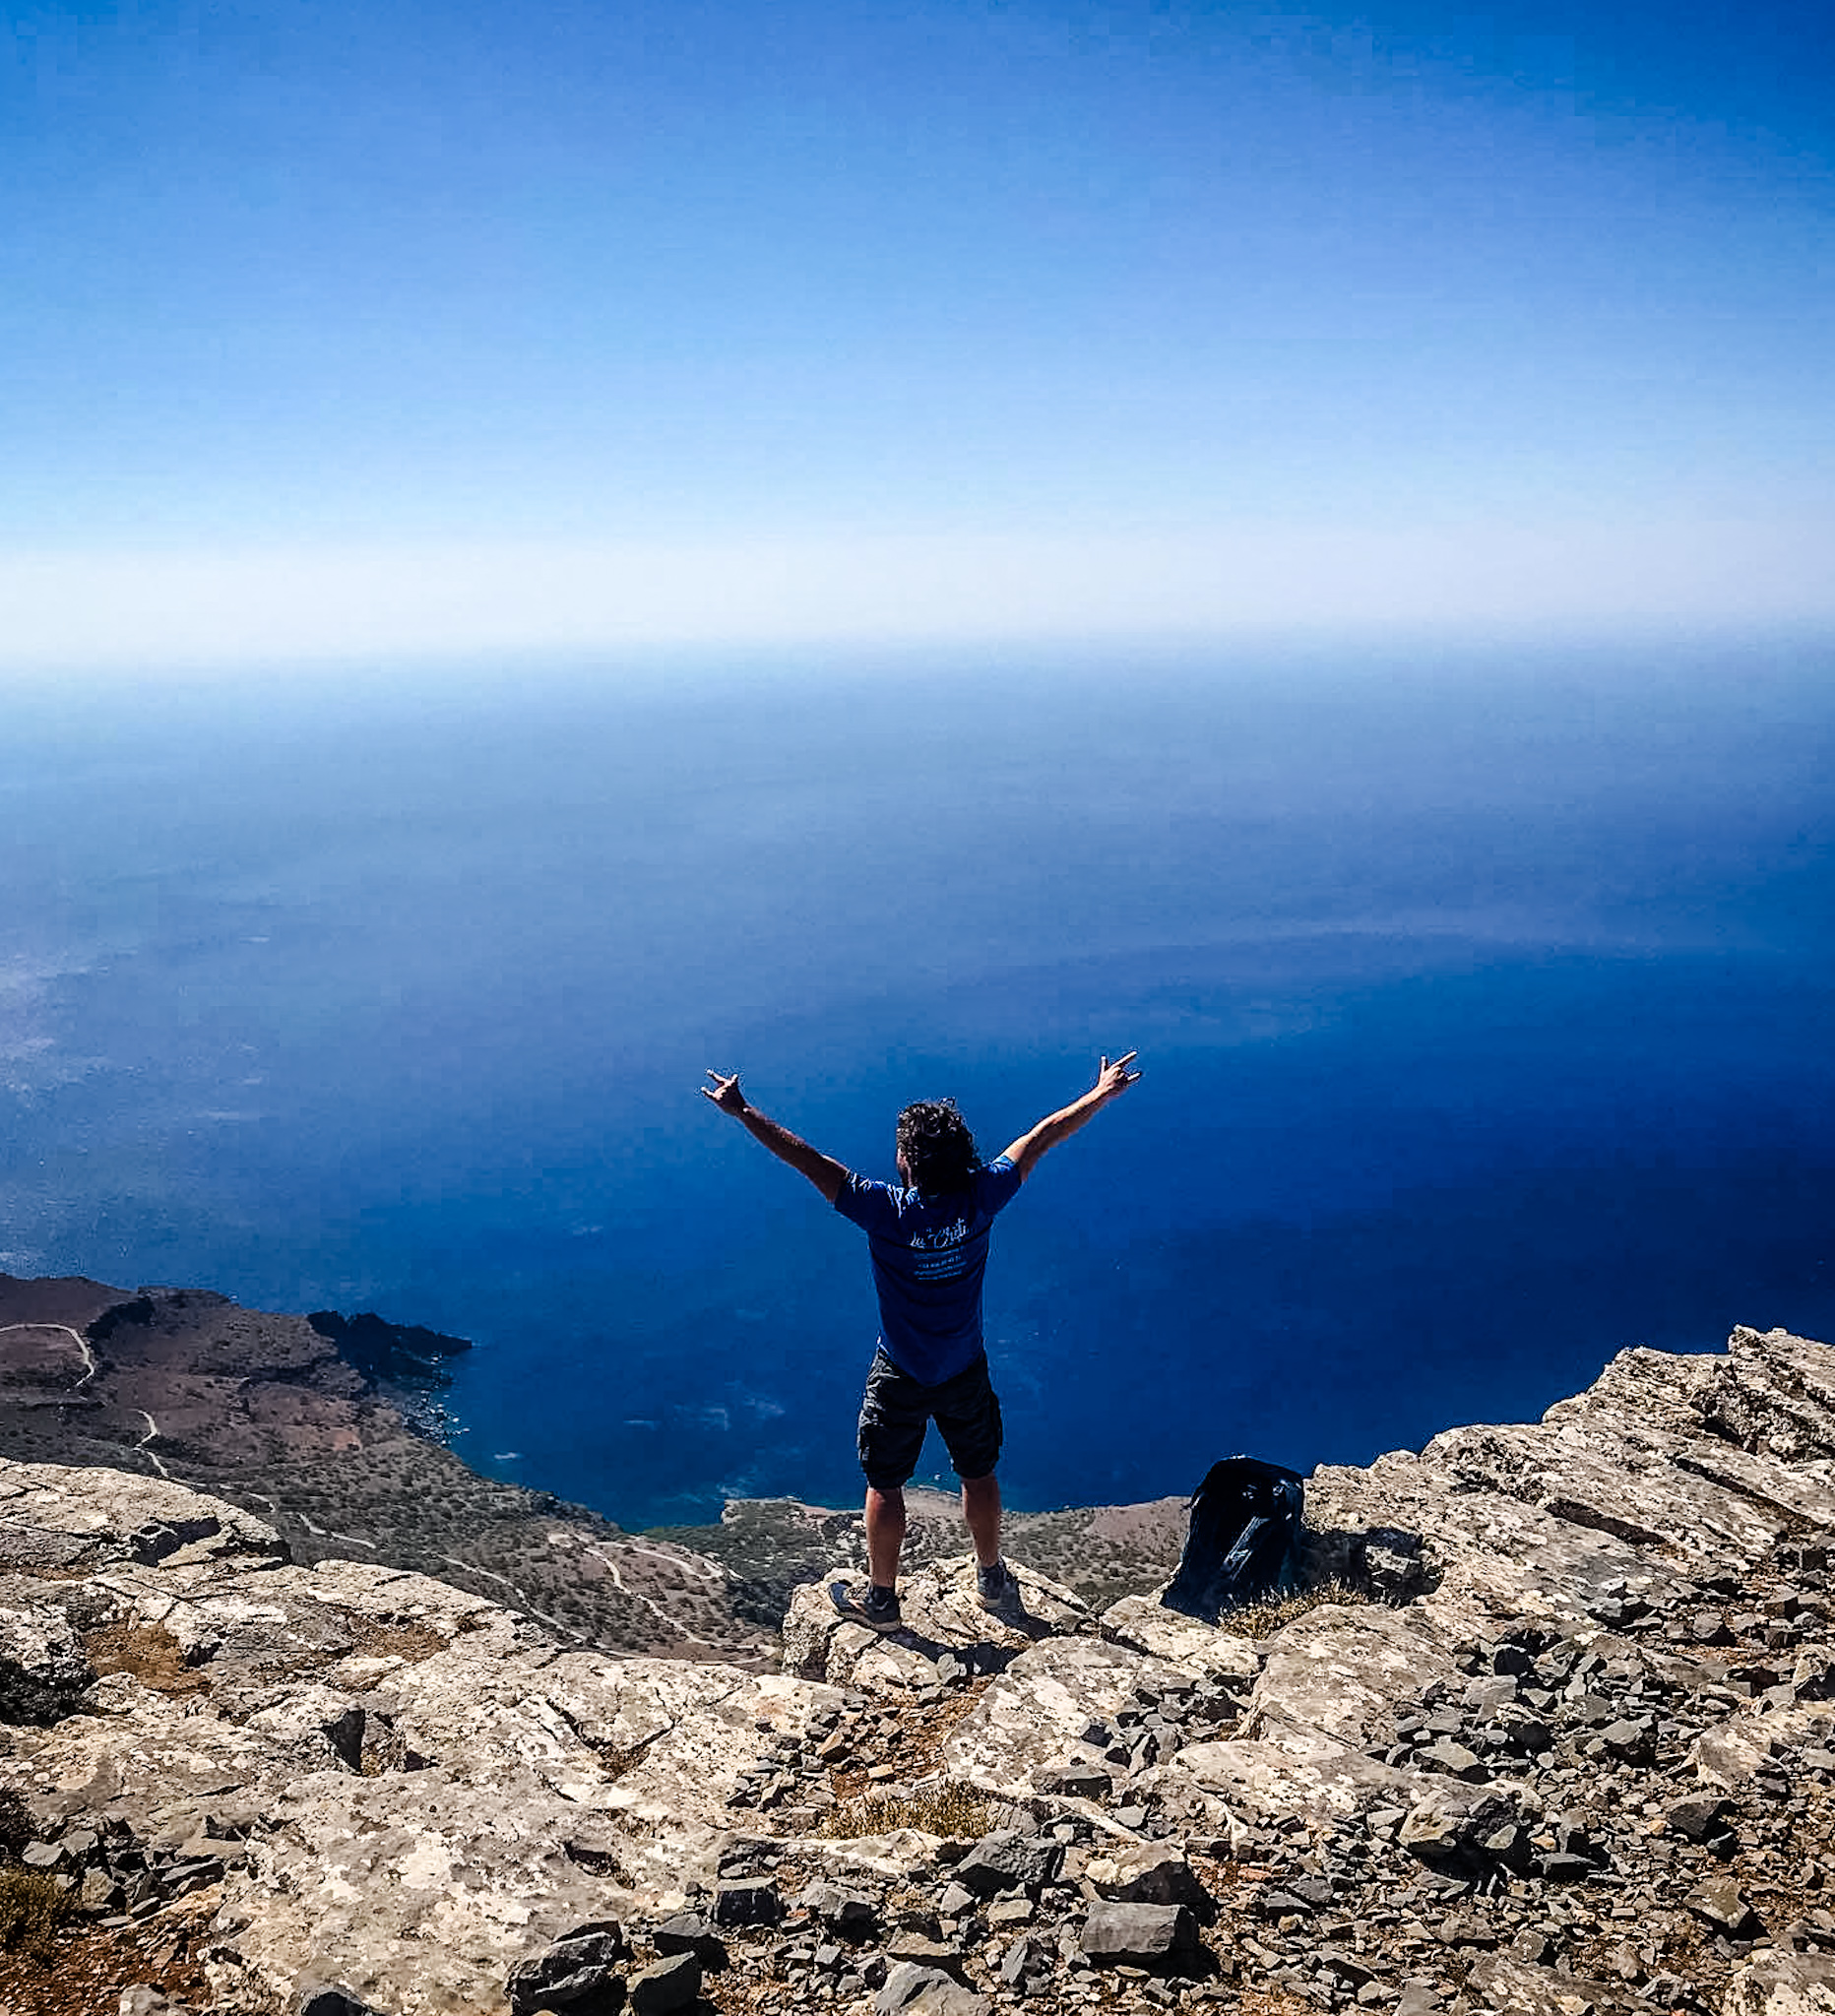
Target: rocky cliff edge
point(1558, 1742)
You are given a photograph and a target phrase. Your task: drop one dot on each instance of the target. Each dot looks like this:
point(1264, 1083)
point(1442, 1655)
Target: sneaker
point(876, 1607)
point(998, 1588)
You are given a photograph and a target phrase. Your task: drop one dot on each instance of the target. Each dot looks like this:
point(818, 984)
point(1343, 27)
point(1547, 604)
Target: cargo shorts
point(897, 1408)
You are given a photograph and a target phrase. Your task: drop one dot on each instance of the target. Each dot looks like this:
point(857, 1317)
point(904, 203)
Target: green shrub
point(32, 1909)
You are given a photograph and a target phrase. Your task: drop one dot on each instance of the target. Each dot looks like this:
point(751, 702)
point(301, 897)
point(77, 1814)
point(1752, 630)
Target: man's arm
point(826, 1174)
point(1112, 1081)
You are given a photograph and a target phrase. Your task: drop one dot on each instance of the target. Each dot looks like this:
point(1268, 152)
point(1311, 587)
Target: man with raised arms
point(929, 1237)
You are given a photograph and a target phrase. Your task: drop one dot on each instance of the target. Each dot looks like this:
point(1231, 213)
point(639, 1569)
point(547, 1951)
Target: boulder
point(846, 1911)
point(1454, 1759)
point(1697, 1818)
point(751, 1902)
point(666, 1984)
point(1076, 1778)
point(1720, 1904)
point(44, 1672)
point(912, 1990)
point(1155, 1872)
point(1153, 1936)
point(685, 1932)
point(1452, 1820)
point(911, 1945)
point(575, 1973)
point(1010, 1860)
point(1026, 1956)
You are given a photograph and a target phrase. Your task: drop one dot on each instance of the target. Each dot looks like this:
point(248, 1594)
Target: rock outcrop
point(1553, 1732)
point(374, 1779)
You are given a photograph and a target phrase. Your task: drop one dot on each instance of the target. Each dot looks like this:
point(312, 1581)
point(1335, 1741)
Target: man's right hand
point(725, 1094)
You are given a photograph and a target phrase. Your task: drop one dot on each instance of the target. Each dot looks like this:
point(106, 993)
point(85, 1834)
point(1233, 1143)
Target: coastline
point(332, 1428)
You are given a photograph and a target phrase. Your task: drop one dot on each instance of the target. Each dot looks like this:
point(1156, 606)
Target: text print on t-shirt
point(943, 1243)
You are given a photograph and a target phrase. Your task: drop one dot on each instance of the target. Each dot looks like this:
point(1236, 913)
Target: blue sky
point(395, 326)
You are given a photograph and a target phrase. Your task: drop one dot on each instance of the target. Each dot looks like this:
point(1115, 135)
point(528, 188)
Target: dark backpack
point(1243, 1543)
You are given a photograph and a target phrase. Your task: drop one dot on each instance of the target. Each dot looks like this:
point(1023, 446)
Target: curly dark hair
point(937, 1146)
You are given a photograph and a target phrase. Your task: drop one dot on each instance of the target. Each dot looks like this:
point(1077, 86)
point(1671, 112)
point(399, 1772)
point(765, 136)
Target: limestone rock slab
point(420, 1895)
point(1652, 1400)
point(1293, 1770)
point(1484, 1552)
point(1143, 1624)
point(431, 1787)
point(116, 1513)
point(1726, 1757)
point(1783, 1984)
point(1341, 1669)
point(1032, 1717)
point(1513, 1988)
point(1587, 1471)
point(940, 1614)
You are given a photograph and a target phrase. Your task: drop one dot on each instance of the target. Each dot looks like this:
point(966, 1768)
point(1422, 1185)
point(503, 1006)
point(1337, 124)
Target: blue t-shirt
point(930, 1254)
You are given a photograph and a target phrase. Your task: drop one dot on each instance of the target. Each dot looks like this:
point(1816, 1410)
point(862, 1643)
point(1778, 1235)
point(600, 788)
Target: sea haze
point(1483, 1000)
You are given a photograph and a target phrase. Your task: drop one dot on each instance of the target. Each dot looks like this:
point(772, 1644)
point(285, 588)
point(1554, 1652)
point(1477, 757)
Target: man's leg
point(893, 1420)
point(980, 1507)
point(885, 1535)
point(968, 1411)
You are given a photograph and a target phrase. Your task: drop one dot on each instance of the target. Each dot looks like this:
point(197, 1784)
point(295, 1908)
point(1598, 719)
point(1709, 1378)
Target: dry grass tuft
point(149, 1651)
point(1263, 1619)
point(411, 1642)
point(32, 1907)
point(1274, 2003)
point(618, 1758)
point(948, 1809)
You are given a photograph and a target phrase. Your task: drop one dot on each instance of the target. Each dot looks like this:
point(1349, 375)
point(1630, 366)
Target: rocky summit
point(1548, 1731)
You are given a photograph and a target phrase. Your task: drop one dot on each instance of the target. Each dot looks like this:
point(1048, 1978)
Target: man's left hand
point(1112, 1080)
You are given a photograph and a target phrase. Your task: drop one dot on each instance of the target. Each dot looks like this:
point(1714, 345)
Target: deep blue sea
point(1484, 1000)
